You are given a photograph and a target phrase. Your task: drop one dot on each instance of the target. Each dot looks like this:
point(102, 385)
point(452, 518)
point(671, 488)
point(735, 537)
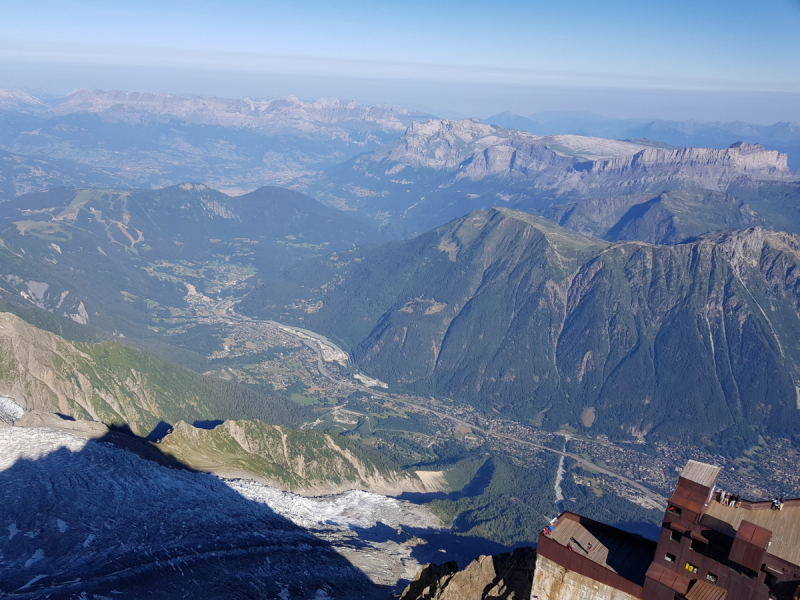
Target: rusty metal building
point(710, 548)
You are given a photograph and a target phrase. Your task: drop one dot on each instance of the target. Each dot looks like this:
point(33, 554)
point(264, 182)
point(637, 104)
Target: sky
point(709, 60)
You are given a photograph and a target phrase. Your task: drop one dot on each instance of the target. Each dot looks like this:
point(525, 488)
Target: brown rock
point(506, 576)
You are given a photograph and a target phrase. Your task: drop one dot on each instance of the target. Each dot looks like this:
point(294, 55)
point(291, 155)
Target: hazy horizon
point(715, 62)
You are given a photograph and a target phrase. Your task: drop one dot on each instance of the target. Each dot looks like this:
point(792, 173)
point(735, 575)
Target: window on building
point(691, 568)
point(670, 557)
point(742, 570)
point(697, 546)
point(711, 577)
point(675, 510)
point(675, 536)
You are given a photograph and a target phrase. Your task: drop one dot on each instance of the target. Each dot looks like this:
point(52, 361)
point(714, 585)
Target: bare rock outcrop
point(507, 576)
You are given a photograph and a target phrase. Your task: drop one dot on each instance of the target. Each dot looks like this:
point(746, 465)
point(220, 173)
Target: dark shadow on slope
point(159, 432)
point(100, 520)
point(209, 425)
point(475, 487)
point(435, 546)
point(634, 213)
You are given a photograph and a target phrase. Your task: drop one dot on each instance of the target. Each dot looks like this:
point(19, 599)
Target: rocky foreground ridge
point(507, 576)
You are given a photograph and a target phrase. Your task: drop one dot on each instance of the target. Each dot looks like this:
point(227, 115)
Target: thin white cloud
point(192, 59)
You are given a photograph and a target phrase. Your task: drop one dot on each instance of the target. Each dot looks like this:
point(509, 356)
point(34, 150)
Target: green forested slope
point(511, 312)
point(119, 385)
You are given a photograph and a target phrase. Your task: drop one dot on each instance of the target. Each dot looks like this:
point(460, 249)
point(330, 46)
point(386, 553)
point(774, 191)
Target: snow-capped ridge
point(325, 116)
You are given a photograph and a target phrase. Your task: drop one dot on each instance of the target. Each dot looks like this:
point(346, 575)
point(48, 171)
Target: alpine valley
point(289, 349)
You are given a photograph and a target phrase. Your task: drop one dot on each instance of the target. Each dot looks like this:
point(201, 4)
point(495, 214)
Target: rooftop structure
point(611, 548)
point(700, 473)
point(713, 546)
point(784, 524)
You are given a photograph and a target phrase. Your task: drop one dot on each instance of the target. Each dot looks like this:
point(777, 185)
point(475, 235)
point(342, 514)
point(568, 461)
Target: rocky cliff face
point(472, 150)
point(440, 144)
point(441, 169)
point(502, 576)
point(699, 167)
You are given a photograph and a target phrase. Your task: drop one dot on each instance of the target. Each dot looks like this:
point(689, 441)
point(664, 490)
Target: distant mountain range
point(114, 138)
point(783, 136)
point(511, 312)
point(441, 169)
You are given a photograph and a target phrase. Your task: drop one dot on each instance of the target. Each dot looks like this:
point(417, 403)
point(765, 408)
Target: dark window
point(675, 536)
point(675, 510)
point(711, 577)
point(670, 557)
point(742, 570)
point(697, 546)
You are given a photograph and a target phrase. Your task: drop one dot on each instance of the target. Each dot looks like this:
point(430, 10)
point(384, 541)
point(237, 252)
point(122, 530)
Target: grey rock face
point(472, 150)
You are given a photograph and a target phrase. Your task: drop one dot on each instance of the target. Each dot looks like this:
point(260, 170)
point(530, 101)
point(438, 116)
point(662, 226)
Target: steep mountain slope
point(308, 462)
point(118, 385)
point(667, 218)
point(511, 312)
point(441, 169)
point(116, 258)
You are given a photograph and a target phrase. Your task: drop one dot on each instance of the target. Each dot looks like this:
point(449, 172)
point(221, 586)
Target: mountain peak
point(466, 129)
point(19, 100)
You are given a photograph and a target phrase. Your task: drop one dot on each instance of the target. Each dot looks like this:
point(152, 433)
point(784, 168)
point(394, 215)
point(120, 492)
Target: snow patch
point(355, 508)
point(38, 443)
point(82, 316)
point(12, 531)
point(10, 411)
point(37, 556)
point(62, 527)
point(32, 581)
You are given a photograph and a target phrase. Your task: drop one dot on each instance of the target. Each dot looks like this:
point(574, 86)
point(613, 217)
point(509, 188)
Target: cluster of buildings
point(708, 549)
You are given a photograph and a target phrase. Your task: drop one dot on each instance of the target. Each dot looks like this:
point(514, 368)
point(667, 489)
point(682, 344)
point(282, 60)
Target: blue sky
point(741, 59)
